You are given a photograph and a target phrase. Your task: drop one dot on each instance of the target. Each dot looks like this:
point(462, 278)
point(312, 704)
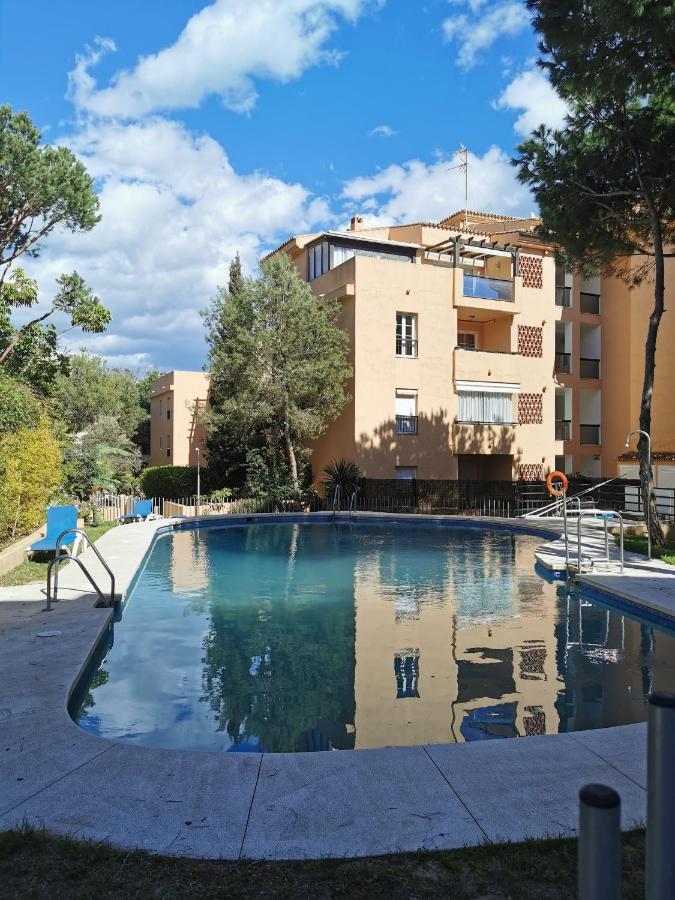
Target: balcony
point(589, 368)
point(563, 296)
point(478, 287)
point(589, 303)
point(486, 366)
point(590, 434)
point(563, 430)
point(406, 347)
point(563, 363)
point(484, 437)
point(406, 424)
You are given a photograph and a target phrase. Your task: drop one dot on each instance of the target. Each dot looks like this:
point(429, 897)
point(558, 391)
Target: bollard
point(599, 845)
point(660, 874)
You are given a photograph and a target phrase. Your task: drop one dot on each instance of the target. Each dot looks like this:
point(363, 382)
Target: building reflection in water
point(290, 637)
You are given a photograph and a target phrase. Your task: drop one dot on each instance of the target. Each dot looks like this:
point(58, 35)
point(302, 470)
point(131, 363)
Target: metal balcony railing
point(563, 296)
point(406, 346)
point(406, 424)
point(589, 367)
point(590, 434)
point(563, 430)
point(563, 363)
point(482, 288)
point(589, 303)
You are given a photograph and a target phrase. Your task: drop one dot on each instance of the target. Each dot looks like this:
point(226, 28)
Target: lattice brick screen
point(535, 722)
point(531, 270)
point(531, 471)
point(530, 340)
point(530, 409)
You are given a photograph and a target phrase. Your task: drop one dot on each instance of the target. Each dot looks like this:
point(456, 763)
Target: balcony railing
point(563, 430)
point(406, 347)
point(481, 288)
point(589, 367)
point(406, 424)
point(590, 434)
point(589, 303)
point(563, 363)
point(563, 296)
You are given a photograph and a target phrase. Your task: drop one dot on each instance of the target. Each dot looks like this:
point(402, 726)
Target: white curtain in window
point(484, 406)
point(341, 254)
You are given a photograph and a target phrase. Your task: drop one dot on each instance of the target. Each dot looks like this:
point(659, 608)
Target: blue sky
point(218, 127)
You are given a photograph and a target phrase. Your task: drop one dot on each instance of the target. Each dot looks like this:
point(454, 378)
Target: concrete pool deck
point(273, 806)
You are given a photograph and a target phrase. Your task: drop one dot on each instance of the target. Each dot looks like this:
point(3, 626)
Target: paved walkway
point(271, 806)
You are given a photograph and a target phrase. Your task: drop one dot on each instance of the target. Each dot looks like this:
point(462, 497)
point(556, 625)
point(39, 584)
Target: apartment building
point(176, 431)
point(476, 356)
point(452, 335)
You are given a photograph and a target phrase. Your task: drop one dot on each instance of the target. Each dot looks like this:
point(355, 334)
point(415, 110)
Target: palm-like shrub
point(341, 473)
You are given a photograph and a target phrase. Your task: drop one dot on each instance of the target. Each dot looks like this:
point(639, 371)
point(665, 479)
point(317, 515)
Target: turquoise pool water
point(300, 637)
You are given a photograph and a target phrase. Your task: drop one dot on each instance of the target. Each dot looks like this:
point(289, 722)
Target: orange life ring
point(559, 476)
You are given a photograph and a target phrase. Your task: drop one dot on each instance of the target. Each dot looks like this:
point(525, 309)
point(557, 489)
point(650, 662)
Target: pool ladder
point(52, 597)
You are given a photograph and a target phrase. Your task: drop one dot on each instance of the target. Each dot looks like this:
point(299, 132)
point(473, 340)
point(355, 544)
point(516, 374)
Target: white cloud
point(417, 191)
point(476, 31)
point(382, 131)
point(223, 50)
point(532, 92)
point(174, 213)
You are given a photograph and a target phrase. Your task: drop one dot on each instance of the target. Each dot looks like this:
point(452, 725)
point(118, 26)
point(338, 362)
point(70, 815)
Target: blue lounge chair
point(59, 519)
point(140, 511)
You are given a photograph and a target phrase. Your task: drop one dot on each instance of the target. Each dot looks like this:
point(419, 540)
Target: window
point(327, 255)
point(406, 411)
point(466, 340)
point(405, 473)
point(491, 407)
point(168, 445)
point(407, 671)
point(168, 413)
point(160, 442)
point(406, 334)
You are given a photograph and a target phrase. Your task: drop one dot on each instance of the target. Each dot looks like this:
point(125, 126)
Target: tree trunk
point(648, 504)
point(292, 462)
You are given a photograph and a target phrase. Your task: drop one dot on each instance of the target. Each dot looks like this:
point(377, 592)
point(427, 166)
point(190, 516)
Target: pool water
point(301, 637)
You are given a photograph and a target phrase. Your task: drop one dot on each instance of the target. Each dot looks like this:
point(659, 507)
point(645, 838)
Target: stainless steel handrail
point(556, 503)
point(605, 515)
point(336, 500)
point(60, 557)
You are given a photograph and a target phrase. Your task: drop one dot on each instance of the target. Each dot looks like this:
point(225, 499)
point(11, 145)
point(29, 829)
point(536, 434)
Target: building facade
point(476, 356)
point(176, 430)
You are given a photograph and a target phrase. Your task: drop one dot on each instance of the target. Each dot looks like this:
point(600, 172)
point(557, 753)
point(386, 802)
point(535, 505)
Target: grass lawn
point(31, 570)
point(638, 544)
point(36, 865)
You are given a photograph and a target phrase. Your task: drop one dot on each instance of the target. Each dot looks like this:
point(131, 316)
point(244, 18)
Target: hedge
point(30, 475)
point(169, 482)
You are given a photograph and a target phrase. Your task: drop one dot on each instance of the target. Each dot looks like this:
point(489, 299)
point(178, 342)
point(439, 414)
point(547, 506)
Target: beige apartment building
point(175, 427)
point(476, 357)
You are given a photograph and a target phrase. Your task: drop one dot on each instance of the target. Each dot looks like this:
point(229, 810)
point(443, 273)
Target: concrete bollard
point(599, 846)
point(660, 874)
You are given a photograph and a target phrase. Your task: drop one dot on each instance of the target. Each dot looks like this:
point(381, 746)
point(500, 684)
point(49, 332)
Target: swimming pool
point(297, 637)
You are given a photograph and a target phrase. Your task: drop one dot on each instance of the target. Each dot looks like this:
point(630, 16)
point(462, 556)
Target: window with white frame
point(406, 334)
point(406, 411)
point(485, 403)
point(467, 340)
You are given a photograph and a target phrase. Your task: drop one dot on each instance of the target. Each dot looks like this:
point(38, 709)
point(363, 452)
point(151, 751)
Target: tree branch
point(21, 332)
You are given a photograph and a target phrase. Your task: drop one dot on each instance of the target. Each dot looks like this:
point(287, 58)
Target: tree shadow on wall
point(430, 449)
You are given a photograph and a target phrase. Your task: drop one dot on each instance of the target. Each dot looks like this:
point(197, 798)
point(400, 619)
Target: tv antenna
point(463, 166)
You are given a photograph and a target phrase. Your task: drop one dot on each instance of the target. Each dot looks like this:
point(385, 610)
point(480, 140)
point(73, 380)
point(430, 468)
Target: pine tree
point(604, 182)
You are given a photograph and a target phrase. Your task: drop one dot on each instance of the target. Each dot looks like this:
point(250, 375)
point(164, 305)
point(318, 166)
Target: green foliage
point(279, 363)
point(30, 474)
point(221, 495)
point(170, 482)
point(605, 183)
point(102, 457)
point(91, 388)
point(236, 281)
point(42, 187)
point(267, 474)
point(344, 474)
point(19, 407)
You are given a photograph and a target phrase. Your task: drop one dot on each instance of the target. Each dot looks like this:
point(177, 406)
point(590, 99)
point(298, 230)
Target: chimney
point(356, 223)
